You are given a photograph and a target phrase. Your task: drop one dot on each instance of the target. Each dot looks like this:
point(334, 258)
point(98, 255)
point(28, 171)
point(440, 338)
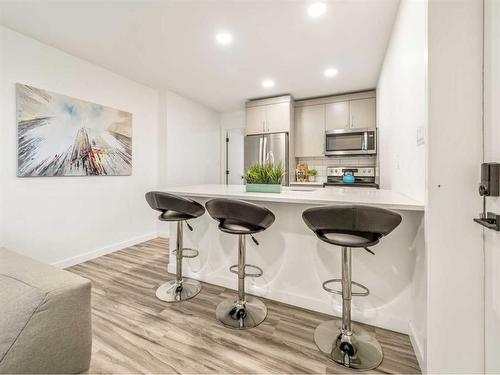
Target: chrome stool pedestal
point(349, 227)
point(181, 288)
point(245, 311)
point(178, 209)
point(348, 346)
point(241, 218)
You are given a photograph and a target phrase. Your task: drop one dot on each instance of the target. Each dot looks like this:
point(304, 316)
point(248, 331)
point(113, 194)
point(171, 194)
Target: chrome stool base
point(241, 316)
point(171, 291)
point(359, 351)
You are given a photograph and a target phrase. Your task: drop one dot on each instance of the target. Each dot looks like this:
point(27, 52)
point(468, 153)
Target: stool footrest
point(187, 252)
point(259, 273)
point(365, 292)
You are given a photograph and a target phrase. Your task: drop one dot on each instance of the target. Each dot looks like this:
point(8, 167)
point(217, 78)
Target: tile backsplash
point(320, 164)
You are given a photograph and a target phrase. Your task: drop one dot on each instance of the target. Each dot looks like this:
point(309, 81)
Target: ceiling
point(171, 44)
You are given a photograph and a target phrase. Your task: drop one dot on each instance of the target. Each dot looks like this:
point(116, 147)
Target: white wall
point(401, 102)
point(233, 120)
point(492, 154)
point(58, 220)
point(401, 111)
point(190, 144)
point(193, 142)
point(454, 244)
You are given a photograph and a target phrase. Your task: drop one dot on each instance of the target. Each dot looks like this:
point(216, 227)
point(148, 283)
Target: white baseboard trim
point(104, 250)
point(417, 348)
point(227, 280)
point(163, 233)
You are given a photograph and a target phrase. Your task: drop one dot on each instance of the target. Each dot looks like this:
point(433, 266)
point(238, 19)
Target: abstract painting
point(61, 136)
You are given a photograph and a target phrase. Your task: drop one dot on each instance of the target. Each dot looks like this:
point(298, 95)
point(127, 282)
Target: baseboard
point(227, 280)
point(163, 233)
point(104, 250)
point(417, 348)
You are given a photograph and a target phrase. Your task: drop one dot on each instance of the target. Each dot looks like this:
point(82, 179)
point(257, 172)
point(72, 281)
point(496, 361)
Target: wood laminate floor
point(134, 332)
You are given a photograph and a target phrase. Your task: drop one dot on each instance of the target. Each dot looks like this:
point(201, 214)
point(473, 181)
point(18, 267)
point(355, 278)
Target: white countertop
point(305, 195)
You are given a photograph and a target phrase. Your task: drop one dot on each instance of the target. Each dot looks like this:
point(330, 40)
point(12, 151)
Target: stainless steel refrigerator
point(267, 147)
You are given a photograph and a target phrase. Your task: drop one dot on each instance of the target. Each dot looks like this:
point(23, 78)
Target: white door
point(277, 118)
point(256, 119)
point(234, 156)
point(492, 154)
point(309, 131)
point(362, 113)
point(337, 115)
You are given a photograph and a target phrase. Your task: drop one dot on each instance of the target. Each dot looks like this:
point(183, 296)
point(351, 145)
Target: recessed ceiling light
point(267, 83)
point(330, 72)
point(316, 9)
point(224, 38)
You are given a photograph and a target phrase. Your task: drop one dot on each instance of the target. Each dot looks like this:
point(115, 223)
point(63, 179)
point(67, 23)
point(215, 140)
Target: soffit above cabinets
point(335, 98)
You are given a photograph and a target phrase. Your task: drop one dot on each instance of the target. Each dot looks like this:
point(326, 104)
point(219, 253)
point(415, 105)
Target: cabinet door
point(363, 113)
point(277, 118)
point(309, 130)
point(337, 115)
point(256, 119)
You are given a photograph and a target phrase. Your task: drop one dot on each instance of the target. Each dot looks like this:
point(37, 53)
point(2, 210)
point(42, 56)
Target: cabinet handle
point(352, 121)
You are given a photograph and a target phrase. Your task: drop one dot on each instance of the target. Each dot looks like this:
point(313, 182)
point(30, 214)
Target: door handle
point(260, 150)
point(265, 151)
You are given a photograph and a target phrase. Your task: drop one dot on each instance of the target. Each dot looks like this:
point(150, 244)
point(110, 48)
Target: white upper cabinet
point(337, 115)
point(362, 113)
point(309, 131)
point(272, 115)
point(256, 120)
point(277, 118)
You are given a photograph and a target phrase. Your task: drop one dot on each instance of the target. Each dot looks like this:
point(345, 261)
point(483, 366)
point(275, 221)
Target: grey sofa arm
point(45, 317)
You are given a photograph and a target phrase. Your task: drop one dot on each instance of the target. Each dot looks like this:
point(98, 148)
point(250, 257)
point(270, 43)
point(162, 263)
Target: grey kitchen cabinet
point(309, 131)
point(337, 115)
point(277, 118)
point(363, 113)
point(256, 120)
point(272, 115)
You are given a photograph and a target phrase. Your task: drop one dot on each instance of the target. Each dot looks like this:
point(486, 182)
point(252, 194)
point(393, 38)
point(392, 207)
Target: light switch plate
point(420, 135)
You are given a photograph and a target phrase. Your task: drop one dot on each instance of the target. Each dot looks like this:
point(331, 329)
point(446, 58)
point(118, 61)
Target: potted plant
point(264, 178)
point(312, 175)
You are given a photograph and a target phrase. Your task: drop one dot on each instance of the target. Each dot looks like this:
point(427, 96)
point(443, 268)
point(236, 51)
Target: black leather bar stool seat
point(241, 218)
point(178, 209)
point(174, 207)
point(349, 227)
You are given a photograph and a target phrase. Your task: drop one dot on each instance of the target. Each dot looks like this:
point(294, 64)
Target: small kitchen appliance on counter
point(351, 176)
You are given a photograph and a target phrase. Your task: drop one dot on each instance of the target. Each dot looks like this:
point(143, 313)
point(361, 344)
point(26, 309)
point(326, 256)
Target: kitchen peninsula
point(295, 262)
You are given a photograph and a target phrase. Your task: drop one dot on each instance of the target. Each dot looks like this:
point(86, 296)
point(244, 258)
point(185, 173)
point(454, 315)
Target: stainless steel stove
point(364, 176)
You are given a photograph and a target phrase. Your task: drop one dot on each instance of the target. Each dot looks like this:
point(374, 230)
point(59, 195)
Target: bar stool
point(241, 218)
point(349, 227)
point(179, 209)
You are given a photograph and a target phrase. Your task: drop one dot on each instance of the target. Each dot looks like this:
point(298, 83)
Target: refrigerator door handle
point(260, 150)
point(265, 151)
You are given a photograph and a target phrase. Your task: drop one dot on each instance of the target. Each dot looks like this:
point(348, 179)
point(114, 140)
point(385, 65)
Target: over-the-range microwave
point(351, 142)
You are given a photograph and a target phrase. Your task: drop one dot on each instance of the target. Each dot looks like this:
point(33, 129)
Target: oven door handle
point(364, 145)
